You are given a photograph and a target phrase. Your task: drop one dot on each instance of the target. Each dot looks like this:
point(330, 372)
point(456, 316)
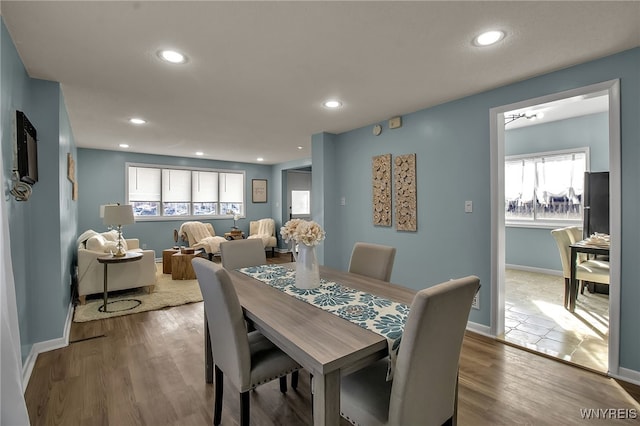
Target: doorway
point(299, 193)
point(500, 232)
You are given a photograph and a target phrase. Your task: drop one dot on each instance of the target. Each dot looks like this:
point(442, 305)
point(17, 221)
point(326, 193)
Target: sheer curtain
point(12, 404)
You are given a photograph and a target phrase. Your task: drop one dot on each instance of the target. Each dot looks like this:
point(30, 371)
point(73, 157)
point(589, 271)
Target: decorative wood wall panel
point(405, 186)
point(381, 180)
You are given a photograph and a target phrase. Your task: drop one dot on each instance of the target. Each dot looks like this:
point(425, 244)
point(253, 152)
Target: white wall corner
point(48, 345)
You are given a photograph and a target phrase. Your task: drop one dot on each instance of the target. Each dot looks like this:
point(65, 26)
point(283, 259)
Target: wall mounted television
point(27, 140)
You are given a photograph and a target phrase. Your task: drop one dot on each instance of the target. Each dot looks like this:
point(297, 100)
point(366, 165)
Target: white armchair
point(264, 229)
point(201, 235)
point(92, 245)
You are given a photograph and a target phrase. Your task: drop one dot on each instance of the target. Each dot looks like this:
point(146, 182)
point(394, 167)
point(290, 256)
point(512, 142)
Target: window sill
point(182, 218)
point(543, 225)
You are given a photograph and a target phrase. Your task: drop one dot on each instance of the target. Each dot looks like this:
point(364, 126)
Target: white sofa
point(91, 245)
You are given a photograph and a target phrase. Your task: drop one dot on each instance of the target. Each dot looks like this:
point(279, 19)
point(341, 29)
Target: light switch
point(343, 201)
point(468, 206)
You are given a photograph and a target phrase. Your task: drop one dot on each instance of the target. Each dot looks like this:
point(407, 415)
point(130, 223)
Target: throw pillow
point(112, 241)
point(96, 243)
point(110, 235)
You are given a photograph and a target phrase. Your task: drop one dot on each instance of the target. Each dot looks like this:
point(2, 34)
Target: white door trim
point(496, 117)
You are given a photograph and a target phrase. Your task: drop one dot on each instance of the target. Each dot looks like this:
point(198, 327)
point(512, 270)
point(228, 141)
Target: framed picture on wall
point(259, 190)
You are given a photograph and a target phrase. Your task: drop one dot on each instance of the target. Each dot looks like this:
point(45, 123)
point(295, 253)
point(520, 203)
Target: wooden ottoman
point(166, 259)
point(181, 268)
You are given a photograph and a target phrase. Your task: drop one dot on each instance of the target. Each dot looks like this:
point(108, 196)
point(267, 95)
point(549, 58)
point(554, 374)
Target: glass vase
point(307, 271)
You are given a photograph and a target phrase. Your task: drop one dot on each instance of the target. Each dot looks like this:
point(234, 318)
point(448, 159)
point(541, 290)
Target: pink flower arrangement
point(302, 231)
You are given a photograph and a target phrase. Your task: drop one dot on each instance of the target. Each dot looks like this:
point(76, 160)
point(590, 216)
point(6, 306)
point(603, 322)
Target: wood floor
point(148, 369)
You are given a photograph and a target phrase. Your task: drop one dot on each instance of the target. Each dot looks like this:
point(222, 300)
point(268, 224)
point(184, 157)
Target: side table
point(106, 260)
point(166, 259)
point(238, 235)
point(181, 268)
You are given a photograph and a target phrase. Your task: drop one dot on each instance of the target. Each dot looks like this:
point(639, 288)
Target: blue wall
point(452, 143)
point(37, 235)
point(534, 247)
point(102, 180)
point(453, 165)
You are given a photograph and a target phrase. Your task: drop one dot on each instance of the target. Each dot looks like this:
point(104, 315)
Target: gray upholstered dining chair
point(248, 359)
point(242, 253)
point(372, 260)
point(424, 388)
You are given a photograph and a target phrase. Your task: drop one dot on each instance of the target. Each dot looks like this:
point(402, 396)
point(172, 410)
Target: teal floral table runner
point(369, 311)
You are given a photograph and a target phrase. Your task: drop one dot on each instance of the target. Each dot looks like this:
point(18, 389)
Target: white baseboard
point(46, 346)
point(628, 375)
point(480, 329)
point(534, 269)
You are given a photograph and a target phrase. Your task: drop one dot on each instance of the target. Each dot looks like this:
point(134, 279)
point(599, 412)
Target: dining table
point(323, 343)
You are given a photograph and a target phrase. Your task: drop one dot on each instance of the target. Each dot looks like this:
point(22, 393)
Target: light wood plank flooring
point(148, 369)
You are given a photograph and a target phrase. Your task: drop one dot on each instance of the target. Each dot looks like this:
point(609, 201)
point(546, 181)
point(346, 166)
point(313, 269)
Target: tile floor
point(536, 319)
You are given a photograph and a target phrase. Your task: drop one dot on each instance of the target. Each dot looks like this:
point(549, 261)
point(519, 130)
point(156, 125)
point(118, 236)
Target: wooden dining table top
point(319, 340)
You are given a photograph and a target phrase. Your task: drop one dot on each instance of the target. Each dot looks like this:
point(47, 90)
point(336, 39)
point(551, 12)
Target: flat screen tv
point(27, 149)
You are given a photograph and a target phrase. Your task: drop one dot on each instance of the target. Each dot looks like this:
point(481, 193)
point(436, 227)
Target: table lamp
point(118, 215)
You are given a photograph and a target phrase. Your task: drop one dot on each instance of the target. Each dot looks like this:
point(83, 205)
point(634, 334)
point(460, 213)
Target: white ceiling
point(259, 71)
point(557, 110)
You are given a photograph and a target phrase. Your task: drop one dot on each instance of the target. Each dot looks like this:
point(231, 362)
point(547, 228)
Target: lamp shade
point(102, 209)
point(118, 215)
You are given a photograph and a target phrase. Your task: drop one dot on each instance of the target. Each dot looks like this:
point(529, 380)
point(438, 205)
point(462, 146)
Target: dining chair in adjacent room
point(590, 270)
point(424, 388)
point(248, 359)
point(242, 253)
point(372, 260)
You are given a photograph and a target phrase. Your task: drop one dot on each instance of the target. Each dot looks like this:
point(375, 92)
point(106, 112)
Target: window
point(158, 191)
point(301, 203)
point(545, 187)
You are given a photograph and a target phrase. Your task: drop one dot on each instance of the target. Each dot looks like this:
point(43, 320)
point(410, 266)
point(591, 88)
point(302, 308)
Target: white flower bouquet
point(302, 231)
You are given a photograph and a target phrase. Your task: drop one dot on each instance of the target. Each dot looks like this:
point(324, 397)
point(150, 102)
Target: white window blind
point(176, 186)
point(144, 184)
point(545, 187)
point(231, 187)
point(204, 187)
point(560, 176)
point(179, 192)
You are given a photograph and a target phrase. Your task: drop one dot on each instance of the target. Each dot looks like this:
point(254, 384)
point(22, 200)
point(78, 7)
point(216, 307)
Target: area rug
point(167, 293)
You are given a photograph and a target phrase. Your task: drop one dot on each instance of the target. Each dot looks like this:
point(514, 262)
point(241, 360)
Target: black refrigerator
point(596, 213)
point(596, 203)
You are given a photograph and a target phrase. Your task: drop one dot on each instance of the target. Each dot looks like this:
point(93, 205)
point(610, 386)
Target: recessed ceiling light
point(489, 38)
point(259, 159)
point(172, 56)
point(124, 145)
point(300, 147)
point(332, 103)
point(136, 120)
point(199, 153)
